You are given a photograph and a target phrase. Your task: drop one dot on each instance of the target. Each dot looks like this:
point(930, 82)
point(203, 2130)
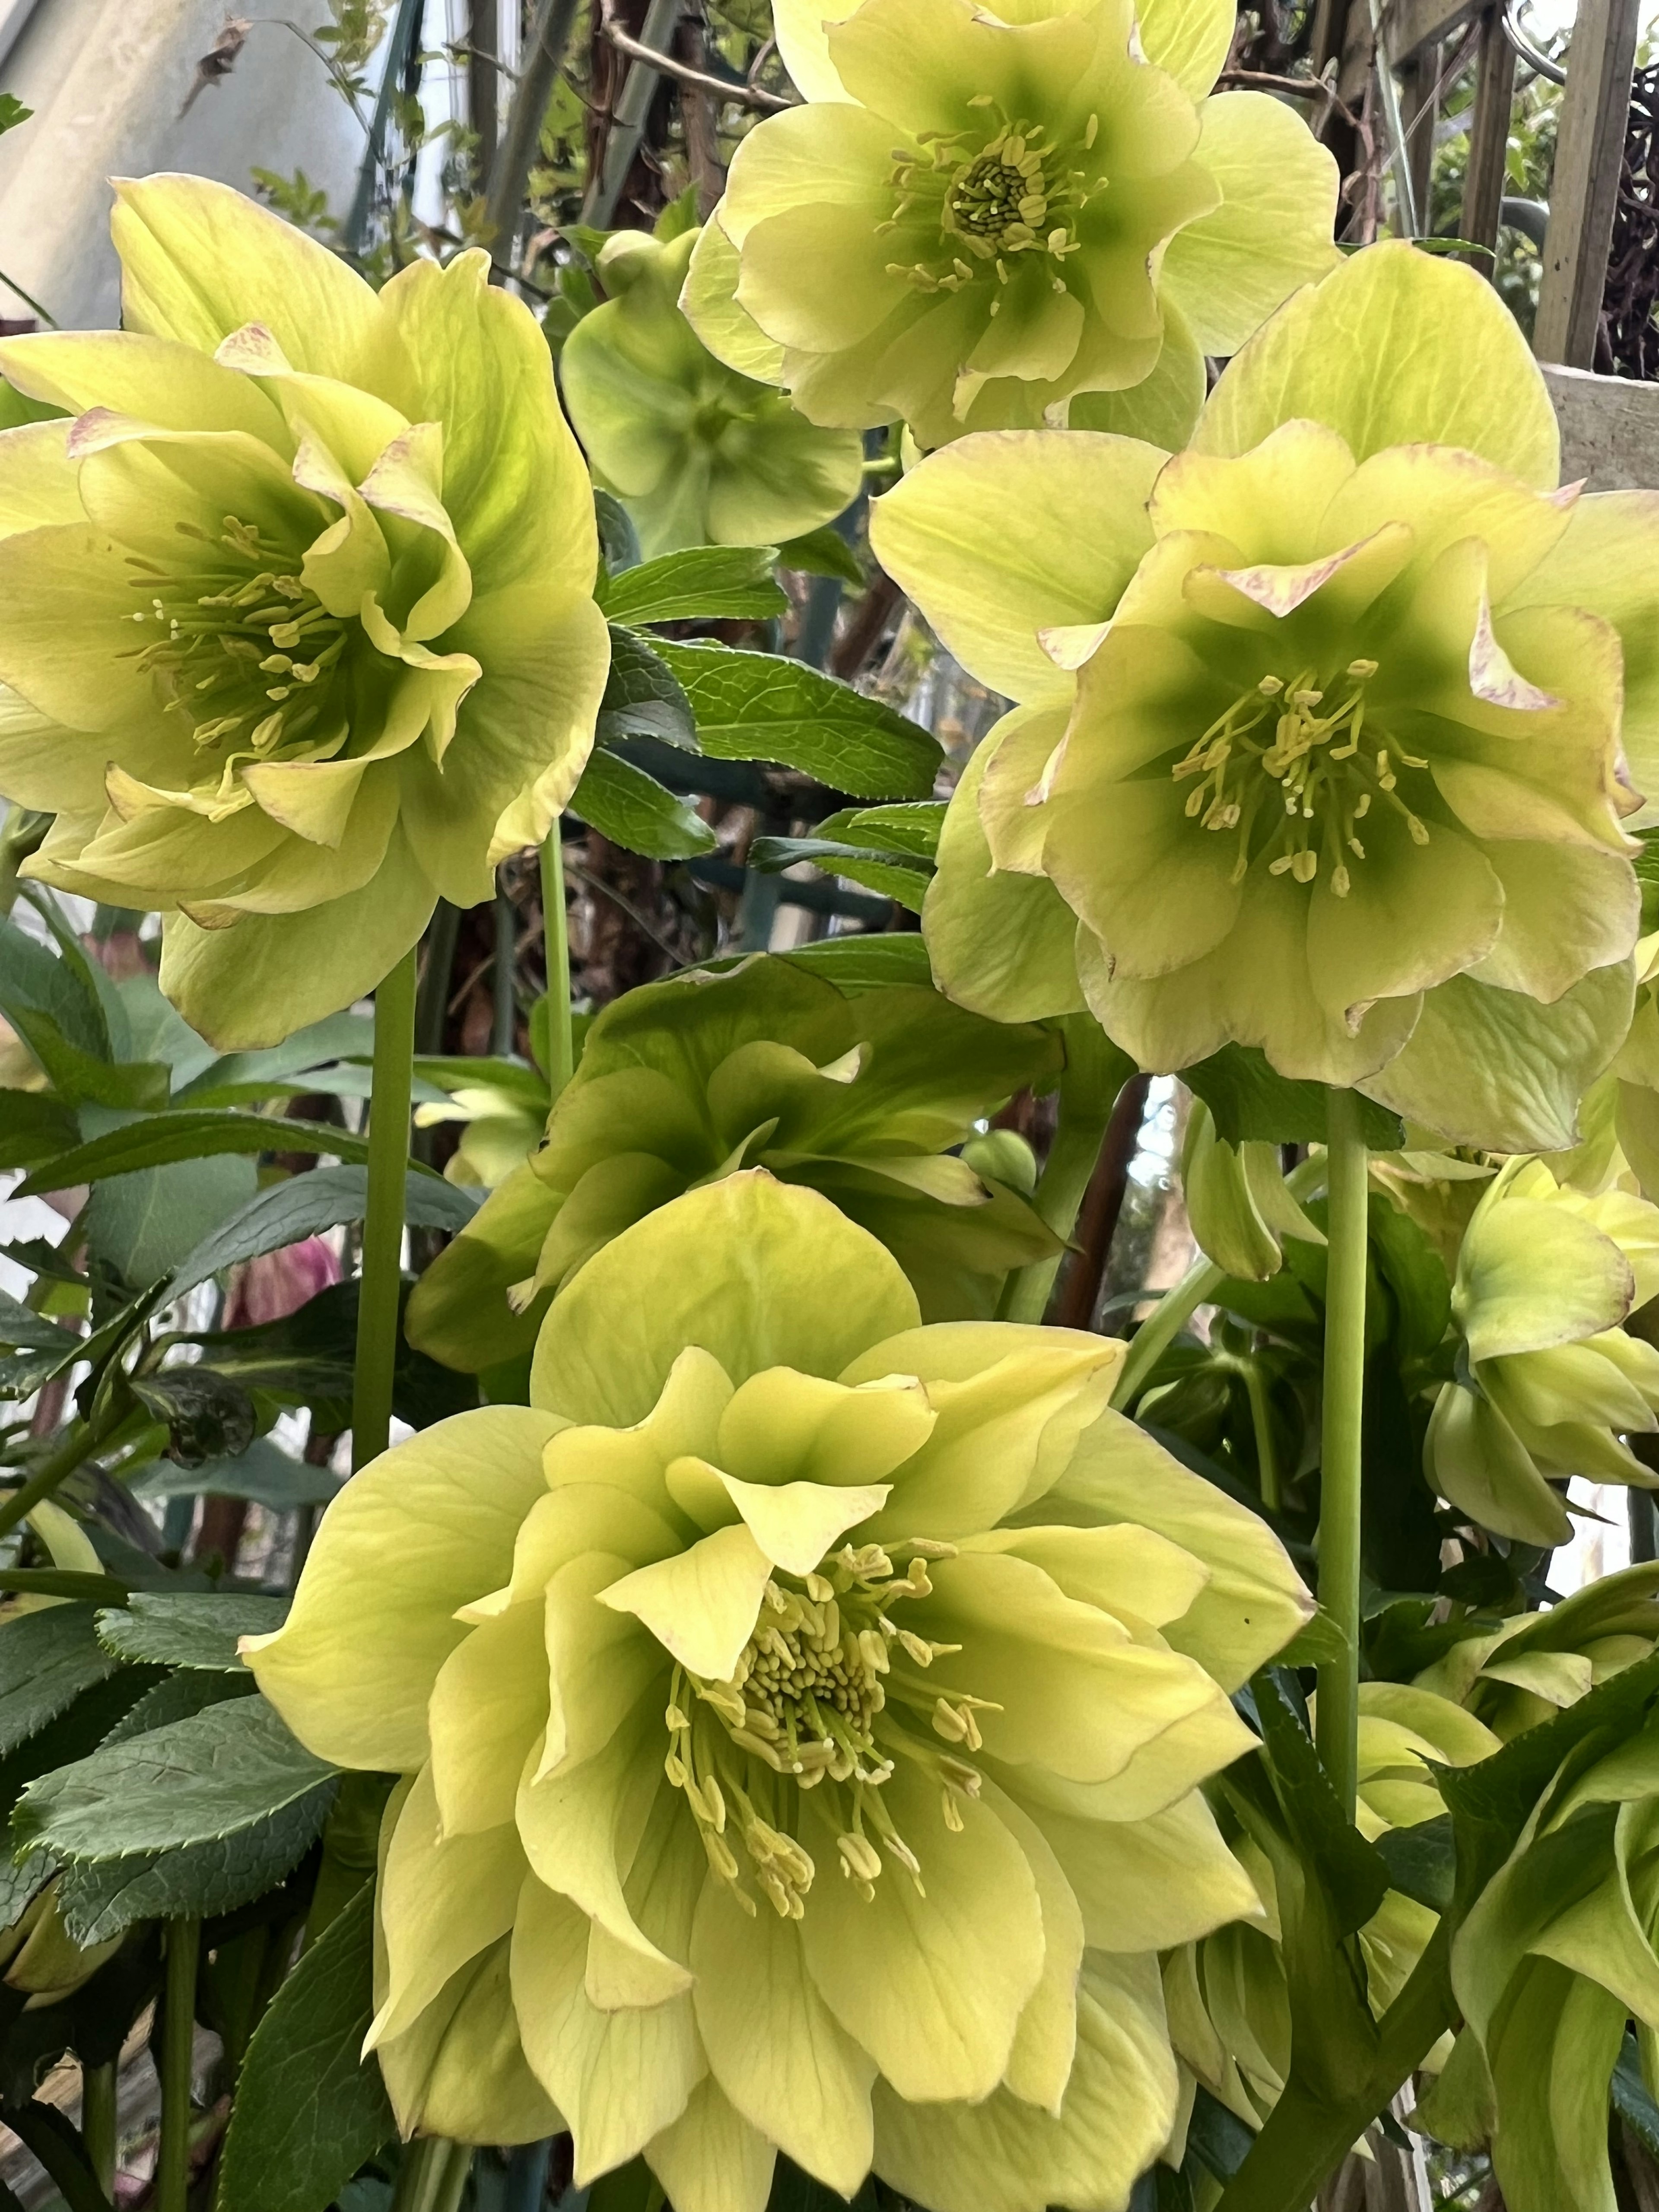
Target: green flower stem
point(383, 1231)
point(1340, 1454)
point(1096, 1071)
point(184, 1950)
point(98, 2122)
point(1306, 2138)
point(1178, 1304)
point(432, 2176)
point(1261, 1423)
point(559, 1047)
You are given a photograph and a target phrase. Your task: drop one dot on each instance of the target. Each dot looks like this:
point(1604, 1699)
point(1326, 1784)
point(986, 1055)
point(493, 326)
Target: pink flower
point(279, 1282)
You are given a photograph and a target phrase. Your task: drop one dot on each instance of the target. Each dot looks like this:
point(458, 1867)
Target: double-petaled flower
point(296, 613)
point(802, 1713)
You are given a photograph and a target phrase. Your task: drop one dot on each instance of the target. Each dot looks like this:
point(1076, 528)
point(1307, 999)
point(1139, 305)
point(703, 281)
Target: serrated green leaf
point(195, 1134)
point(197, 1781)
point(870, 962)
point(103, 1898)
point(309, 2108)
point(307, 1204)
point(632, 809)
point(1353, 1876)
point(192, 1630)
point(1422, 1862)
point(47, 1660)
point(707, 583)
point(139, 1226)
point(643, 697)
point(240, 1075)
point(177, 1698)
point(619, 542)
point(755, 706)
point(912, 827)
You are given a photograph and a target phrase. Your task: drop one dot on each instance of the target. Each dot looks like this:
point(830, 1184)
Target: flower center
point(1017, 195)
point(1290, 768)
point(250, 661)
point(819, 1699)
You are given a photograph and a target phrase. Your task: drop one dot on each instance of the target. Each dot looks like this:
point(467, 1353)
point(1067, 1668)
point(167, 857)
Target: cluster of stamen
point(1327, 776)
point(246, 664)
point(1015, 195)
point(809, 1707)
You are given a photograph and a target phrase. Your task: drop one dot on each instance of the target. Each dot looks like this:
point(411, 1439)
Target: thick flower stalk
point(698, 453)
point(1545, 1278)
point(803, 1712)
point(1228, 1996)
point(296, 612)
point(975, 221)
point(769, 1066)
point(1331, 759)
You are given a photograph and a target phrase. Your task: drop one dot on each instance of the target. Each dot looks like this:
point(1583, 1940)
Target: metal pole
point(628, 119)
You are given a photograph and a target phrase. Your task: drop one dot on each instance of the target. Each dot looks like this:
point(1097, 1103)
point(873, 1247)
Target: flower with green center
point(296, 615)
point(698, 453)
point(1329, 758)
point(768, 1067)
point(1538, 1664)
point(977, 221)
point(1545, 1277)
point(803, 1710)
point(1228, 1996)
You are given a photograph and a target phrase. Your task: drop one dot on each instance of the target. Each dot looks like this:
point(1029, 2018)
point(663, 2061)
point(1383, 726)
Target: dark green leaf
point(1218, 2136)
point(264, 1472)
point(632, 809)
point(58, 1014)
point(643, 697)
point(868, 963)
point(12, 112)
point(48, 2134)
point(709, 582)
point(905, 880)
point(203, 1780)
point(22, 1328)
point(177, 1697)
point(754, 706)
point(1252, 1103)
point(619, 543)
point(1422, 1862)
point(32, 1128)
point(1416, 1274)
point(65, 1582)
point(309, 2108)
point(99, 1899)
point(822, 552)
point(22, 1376)
point(1632, 2100)
point(307, 1204)
point(192, 1630)
point(207, 1415)
point(46, 1659)
point(191, 1135)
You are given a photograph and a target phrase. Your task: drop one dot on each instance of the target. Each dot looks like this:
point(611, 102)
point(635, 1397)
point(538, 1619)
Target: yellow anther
point(1339, 880)
point(1361, 669)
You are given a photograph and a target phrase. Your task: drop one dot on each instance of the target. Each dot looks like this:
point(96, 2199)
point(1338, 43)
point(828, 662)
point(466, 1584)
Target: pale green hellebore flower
point(886, 1663)
point(1228, 1997)
point(297, 613)
point(697, 453)
point(978, 220)
point(769, 1066)
point(1545, 1277)
point(1538, 1664)
point(1328, 756)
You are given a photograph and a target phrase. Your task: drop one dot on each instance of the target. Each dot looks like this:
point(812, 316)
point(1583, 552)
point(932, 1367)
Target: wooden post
point(1489, 139)
point(1584, 190)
